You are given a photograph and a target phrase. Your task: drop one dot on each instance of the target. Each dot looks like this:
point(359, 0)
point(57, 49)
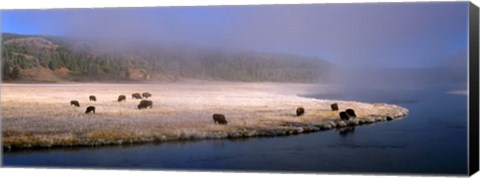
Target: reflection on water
point(431, 140)
point(346, 130)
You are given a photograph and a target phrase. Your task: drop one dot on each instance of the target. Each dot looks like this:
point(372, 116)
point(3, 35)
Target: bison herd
point(92, 98)
point(217, 118)
point(344, 115)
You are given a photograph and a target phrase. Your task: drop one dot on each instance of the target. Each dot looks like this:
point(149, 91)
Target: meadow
point(40, 115)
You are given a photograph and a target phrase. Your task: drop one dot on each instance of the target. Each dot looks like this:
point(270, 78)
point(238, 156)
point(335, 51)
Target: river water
point(431, 140)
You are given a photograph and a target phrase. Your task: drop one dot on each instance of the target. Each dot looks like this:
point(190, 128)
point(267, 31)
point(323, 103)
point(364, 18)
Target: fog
point(382, 43)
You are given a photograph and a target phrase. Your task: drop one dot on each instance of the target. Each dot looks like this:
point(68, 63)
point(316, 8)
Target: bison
point(300, 111)
point(136, 96)
point(344, 115)
point(93, 98)
point(145, 104)
point(351, 113)
point(90, 109)
point(122, 98)
point(146, 95)
point(219, 119)
point(334, 107)
point(75, 103)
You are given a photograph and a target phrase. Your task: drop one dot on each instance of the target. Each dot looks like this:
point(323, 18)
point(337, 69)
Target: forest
point(83, 60)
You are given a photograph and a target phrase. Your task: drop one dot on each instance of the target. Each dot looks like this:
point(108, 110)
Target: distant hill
point(34, 58)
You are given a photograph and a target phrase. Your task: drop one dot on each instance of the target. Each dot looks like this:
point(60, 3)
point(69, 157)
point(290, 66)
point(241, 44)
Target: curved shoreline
point(252, 112)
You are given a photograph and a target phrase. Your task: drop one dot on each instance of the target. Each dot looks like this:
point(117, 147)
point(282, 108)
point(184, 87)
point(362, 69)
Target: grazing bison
point(145, 104)
point(334, 107)
point(92, 98)
point(300, 111)
point(90, 109)
point(75, 103)
point(344, 115)
point(146, 95)
point(219, 119)
point(122, 98)
point(351, 113)
point(136, 96)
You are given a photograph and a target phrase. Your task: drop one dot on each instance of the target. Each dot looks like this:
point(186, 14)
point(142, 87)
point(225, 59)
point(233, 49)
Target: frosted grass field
point(40, 115)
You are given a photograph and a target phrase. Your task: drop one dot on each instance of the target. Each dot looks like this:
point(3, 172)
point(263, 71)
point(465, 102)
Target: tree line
point(91, 60)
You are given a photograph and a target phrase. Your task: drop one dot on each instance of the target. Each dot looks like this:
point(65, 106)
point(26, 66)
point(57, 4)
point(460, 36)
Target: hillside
point(33, 58)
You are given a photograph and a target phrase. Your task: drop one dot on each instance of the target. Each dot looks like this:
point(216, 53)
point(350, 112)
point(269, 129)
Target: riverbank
point(40, 115)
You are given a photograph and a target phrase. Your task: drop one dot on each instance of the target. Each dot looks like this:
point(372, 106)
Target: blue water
point(431, 140)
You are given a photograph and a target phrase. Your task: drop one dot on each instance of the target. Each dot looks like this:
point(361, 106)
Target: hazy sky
point(385, 34)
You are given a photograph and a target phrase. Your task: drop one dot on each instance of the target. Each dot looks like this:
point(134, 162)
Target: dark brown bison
point(146, 95)
point(334, 107)
point(75, 103)
point(219, 119)
point(90, 109)
point(145, 104)
point(122, 98)
point(351, 113)
point(344, 115)
point(92, 98)
point(300, 111)
point(136, 96)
